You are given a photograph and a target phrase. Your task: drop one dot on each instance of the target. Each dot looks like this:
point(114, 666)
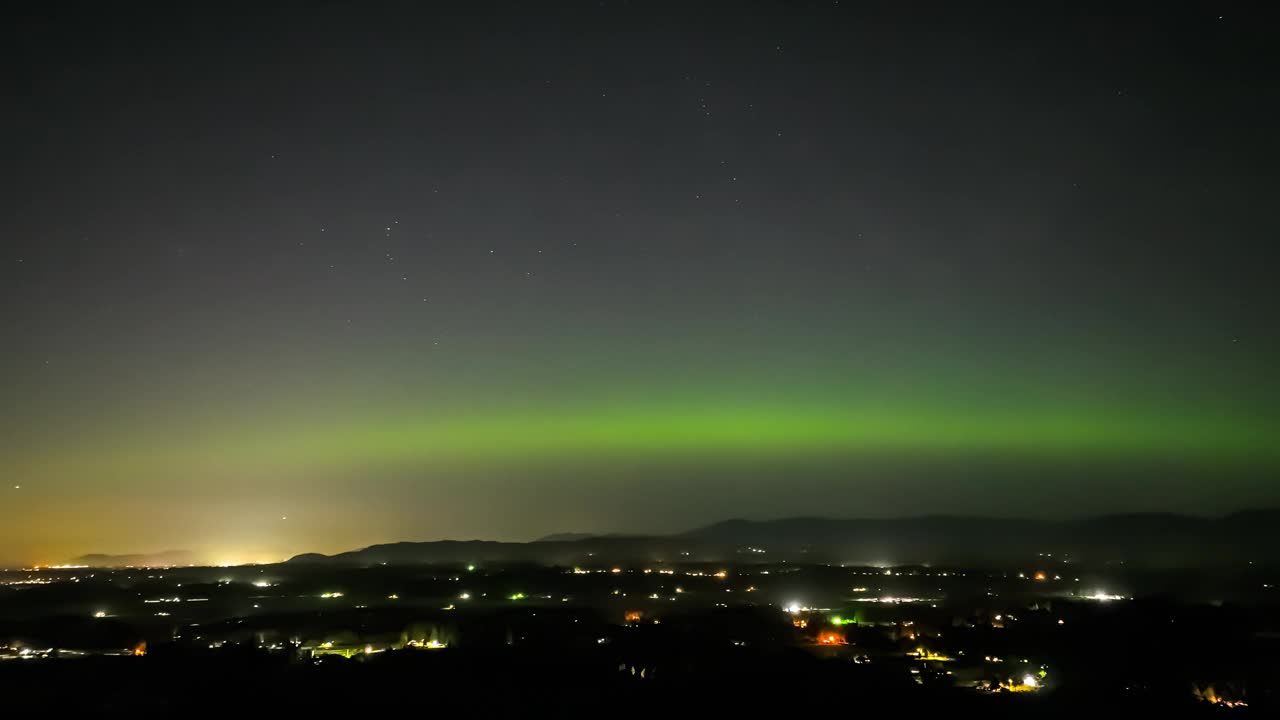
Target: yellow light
point(100, 614)
point(931, 656)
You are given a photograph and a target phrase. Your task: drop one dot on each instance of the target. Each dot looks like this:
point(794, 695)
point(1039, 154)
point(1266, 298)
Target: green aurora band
point(673, 429)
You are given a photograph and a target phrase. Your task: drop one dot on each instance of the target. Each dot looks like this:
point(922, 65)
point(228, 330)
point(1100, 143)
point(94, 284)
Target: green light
point(837, 620)
point(681, 427)
point(517, 596)
point(471, 568)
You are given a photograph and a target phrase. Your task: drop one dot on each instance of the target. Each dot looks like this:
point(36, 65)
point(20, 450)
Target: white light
point(261, 583)
point(100, 614)
point(1030, 681)
point(465, 596)
point(793, 608)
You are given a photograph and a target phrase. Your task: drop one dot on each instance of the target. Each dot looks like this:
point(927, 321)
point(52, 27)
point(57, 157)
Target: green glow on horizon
point(671, 429)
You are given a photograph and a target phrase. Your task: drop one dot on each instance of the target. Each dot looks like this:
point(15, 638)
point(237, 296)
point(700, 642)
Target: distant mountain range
point(1150, 540)
point(168, 558)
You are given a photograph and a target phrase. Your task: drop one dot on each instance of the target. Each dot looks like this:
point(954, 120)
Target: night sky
point(310, 277)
